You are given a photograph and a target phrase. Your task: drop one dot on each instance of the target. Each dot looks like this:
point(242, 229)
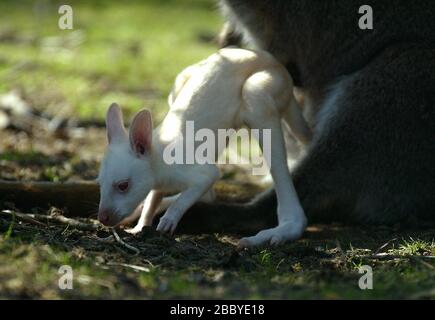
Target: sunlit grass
point(129, 52)
point(415, 247)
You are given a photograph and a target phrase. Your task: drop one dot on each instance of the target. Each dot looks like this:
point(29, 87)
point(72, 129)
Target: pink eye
point(122, 186)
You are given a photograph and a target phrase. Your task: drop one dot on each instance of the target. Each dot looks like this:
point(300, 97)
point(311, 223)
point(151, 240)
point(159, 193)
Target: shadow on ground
point(324, 264)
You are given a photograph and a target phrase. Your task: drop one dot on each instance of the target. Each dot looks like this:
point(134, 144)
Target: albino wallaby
point(231, 88)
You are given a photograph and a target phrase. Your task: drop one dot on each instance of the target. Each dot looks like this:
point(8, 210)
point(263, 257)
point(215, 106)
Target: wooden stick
point(130, 247)
point(41, 218)
point(80, 199)
point(395, 256)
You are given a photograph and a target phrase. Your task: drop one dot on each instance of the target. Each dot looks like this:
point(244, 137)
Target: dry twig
point(119, 240)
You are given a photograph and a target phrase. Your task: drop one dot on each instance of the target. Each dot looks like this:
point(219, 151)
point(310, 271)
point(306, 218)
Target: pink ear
point(115, 124)
point(141, 132)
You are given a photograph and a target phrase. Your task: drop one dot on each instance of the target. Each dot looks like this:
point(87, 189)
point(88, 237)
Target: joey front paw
point(167, 224)
point(139, 226)
point(137, 229)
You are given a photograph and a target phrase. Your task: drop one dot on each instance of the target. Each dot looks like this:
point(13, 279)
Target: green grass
point(130, 52)
point(124, 51)
point(210, 267)
point(415, 247)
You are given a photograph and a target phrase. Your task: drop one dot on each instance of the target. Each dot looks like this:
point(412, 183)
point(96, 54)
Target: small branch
point(131, 266)
point(41, 220)
point(119, 240)
point(392, 257)
point(23, 217)
point(80, 198)
point(385, 245)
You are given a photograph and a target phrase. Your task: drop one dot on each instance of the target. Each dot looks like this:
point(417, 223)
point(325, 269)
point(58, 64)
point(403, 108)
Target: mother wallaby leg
point(261, 112)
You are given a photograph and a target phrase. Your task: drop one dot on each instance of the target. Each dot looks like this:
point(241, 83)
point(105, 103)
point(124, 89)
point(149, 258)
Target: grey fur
point(373, 156)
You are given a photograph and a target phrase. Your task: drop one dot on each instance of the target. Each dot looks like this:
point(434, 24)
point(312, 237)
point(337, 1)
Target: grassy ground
point(324, 264)
point(130, 52)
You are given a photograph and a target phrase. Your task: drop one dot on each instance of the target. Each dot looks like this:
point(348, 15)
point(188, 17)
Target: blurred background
point(126, 51)
point(56, 85)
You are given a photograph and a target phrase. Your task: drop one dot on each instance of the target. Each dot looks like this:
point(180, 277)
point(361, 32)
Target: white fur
point(231, 88)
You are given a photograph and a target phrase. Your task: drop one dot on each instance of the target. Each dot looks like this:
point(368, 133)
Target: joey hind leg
point(262, 114)
point(291, 217)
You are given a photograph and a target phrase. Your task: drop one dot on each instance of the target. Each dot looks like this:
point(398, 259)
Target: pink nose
point(104, 216)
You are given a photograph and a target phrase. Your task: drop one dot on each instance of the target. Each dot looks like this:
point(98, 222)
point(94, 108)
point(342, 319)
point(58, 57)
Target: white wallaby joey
point(231, 88)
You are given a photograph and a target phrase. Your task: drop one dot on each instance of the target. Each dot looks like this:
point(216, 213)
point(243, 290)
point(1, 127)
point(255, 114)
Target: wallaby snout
point(108, 217)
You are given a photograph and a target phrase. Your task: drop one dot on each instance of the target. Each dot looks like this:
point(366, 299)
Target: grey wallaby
point(372, 104)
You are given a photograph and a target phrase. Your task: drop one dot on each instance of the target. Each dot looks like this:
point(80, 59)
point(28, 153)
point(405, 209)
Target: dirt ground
point(323, 264)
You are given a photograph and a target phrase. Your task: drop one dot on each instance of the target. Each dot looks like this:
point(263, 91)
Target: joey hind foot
point(285, 232)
